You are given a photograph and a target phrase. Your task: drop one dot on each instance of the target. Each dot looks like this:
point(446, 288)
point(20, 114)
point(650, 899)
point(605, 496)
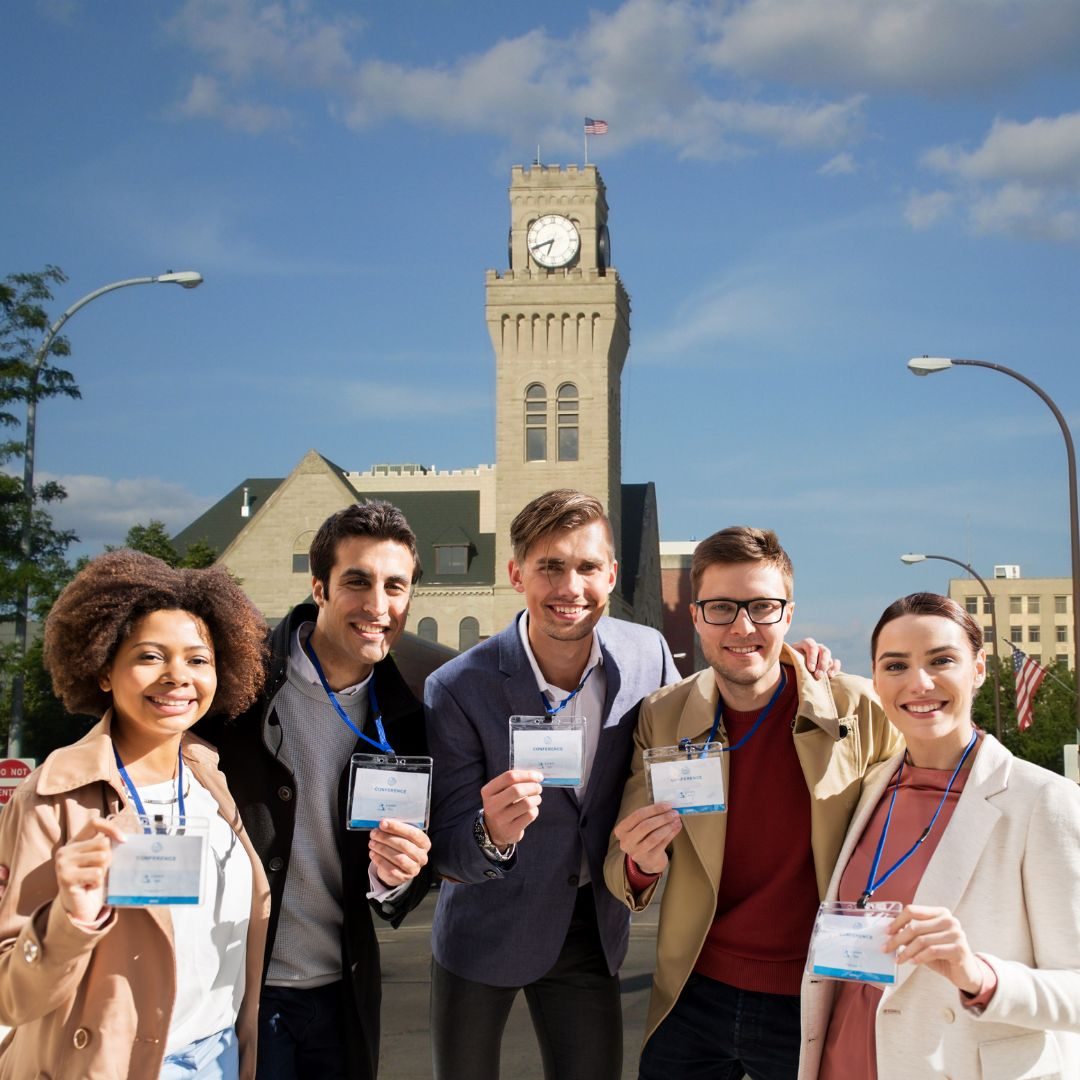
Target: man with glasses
point(743, 885)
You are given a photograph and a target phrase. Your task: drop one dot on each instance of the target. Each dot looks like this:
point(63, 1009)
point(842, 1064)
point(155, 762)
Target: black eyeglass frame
point(743, 605)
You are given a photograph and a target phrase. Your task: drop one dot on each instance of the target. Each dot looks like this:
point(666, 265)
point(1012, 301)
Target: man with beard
point(743, 886)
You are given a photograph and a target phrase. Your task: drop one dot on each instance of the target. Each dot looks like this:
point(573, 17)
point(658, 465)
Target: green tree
point(153, 539)
point(24, 322)
point(1054, 711)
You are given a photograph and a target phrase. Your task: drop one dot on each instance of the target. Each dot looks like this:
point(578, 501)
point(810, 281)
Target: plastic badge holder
point(388, 786)
point(847, 941)
point(161, 862)
point(552, 745)
point(690, 777)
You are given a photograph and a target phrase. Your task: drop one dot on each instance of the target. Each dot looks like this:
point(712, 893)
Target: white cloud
point(206, 102)
point(1023, 180)
point(842, 164)
point(934, 46)
point(644, 67)
point(101, 510)
point(1026, 211)
point(1044, 151)
point(924, 209)
point(244, 38)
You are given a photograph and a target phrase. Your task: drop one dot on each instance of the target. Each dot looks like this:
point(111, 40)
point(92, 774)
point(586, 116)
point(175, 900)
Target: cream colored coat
point(96, 1005)
point(1008, 867)
point(832, 764)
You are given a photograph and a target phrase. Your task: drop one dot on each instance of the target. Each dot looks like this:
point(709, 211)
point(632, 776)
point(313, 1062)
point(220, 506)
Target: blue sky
point(803, 195)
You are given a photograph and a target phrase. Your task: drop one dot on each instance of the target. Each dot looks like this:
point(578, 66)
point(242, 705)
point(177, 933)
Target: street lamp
point(186, 279)
point(927, 365)
point(911, 559)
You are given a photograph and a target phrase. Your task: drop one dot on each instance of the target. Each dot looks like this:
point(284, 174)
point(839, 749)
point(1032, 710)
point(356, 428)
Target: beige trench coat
point(839, 732)
point(96, 1005)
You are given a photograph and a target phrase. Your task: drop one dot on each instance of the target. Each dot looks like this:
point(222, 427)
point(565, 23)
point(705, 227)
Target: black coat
point(265, 793)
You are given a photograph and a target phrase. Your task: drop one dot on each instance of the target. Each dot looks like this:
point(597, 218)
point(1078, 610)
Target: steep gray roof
point(221, 523)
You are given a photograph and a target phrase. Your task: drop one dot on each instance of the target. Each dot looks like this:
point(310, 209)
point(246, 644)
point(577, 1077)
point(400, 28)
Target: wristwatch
point(486, 844)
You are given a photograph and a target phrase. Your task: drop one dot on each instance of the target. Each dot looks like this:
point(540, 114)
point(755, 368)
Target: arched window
point(427, 629)
point(568, 422)
point(468, 633)
point(536, 423)
point(300, 564)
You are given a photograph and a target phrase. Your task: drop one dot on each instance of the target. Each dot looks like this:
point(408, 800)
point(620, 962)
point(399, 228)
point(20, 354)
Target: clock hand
point(547, 244)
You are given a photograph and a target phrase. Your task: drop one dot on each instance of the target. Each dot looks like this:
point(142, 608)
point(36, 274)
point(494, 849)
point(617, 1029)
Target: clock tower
point(559, 320)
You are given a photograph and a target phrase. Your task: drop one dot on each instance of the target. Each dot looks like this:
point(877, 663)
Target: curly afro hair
point(103, 603)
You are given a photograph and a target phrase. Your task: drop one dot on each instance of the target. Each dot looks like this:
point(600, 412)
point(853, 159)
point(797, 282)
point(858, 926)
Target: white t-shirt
point(209, 939)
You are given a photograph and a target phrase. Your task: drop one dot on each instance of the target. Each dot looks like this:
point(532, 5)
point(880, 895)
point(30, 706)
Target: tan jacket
point(1008, 867)
point(96, 1005)
point(833, 765)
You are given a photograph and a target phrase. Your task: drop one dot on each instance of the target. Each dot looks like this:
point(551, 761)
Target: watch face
point(553, 240)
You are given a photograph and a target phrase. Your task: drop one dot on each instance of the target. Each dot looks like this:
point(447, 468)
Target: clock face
point(553, 240)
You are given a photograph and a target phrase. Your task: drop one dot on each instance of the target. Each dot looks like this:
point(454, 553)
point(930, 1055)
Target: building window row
point(468, 631)
point(567, 401)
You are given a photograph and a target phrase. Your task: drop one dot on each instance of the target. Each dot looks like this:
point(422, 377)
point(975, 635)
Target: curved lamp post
point(911, 559)
point(927, 365)
point(186, 279)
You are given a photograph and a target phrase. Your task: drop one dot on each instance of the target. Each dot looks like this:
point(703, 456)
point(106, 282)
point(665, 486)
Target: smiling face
point(362, 608)
point(162, 678)
point(745, 657)
point(566, 577)
point(926, 674)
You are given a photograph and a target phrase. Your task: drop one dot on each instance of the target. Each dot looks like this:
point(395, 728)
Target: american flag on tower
point(1029, 677)
point(595, 127)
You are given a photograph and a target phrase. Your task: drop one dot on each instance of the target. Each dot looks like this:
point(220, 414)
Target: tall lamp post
point(911, 559)
point(186, 279)
point(927, 365)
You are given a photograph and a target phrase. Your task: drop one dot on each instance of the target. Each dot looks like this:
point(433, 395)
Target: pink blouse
point(850, 1045)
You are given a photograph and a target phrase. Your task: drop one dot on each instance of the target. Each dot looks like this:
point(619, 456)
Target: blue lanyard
point(872, 883)
point(373, 702)
point(757, 723)
point(134, 792)
point(555, 710)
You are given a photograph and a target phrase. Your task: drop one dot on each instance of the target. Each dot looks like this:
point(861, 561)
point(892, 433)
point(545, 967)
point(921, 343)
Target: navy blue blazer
point(504, 924)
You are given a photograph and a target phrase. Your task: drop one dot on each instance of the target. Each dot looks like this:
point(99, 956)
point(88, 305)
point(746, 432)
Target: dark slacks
point(575, 1008)
point(719, 1032)
point(302, 1034)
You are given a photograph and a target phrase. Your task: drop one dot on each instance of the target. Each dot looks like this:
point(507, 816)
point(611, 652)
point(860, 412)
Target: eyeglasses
point(762, 610)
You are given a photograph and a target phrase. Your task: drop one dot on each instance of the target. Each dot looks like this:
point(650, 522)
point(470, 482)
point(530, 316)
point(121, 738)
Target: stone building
point(1034, 614)
point(559, 320)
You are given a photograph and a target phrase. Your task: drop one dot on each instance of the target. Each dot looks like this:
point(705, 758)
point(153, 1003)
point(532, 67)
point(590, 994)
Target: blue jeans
point(217, 1057)
point(719, 1032)
point(302, 1034)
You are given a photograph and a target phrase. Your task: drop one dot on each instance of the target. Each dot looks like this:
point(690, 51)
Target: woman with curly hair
point(96, 990)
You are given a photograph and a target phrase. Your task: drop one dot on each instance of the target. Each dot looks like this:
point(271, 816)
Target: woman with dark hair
point(156, 987)
point(980, 854)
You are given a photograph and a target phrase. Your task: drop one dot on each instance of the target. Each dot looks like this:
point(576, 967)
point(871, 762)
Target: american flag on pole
point(1029, 677)
point(595, 127)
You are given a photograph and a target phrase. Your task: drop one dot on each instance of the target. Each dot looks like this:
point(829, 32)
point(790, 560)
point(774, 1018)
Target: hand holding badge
point(551, 745)
point(689, 778)
point(387, 786)
point(848, 942)
point(160, 862)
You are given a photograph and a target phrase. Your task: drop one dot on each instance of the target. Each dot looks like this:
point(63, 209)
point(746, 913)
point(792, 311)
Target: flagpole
point(586, 146)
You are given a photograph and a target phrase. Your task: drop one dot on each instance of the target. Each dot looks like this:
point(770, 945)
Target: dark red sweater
point(768, 895)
